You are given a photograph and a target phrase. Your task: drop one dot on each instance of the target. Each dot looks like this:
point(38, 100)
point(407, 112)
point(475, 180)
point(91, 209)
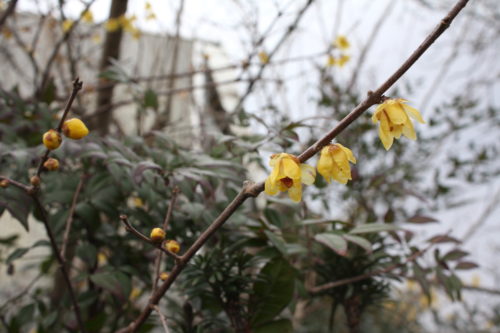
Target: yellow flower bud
point(51, 139)
point(75, 129)
point(163, 276)
point(172, 246)
point(157, 235)
point(4, 183)
point(35, 181)
point(51, 164)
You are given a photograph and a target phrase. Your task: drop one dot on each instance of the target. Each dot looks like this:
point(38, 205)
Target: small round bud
point(75, 129)
point(163, 276)
point(51, 139)
point(172, 246)
point(35, 181)
point(157, 235)
point(51, 164)
point(4, 183)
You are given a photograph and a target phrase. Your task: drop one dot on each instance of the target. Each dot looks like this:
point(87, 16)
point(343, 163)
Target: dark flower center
point(288, 182)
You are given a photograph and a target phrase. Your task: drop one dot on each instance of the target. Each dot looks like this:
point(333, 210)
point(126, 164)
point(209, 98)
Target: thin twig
point(338, 283)
point(10, 9)
point(17, 184)
point(62, 267)
point(162, 318)
point(77, 86)
point(280, 43)
point(146, 239)
point(21, 294)
point(253, 190)
point(69, 221)
point(166, 221)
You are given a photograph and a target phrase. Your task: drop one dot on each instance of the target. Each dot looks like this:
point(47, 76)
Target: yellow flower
point(157, 235)
point(112, 24)
point(394, 117)
point(334, 163)
point(87, 16)
point(263, 57)
point(288, 175)
point(172, 246)
point(338, 61)
point(163, 276)
point(75, 129)
point(341, 42)
point(67, 24)
point(51, 164)
point(51, 139)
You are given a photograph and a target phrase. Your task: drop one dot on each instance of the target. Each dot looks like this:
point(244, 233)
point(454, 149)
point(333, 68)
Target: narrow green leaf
point(277, 241)
point(373, 228)
point(334, 242)
point(272, 292)
point(360, 241)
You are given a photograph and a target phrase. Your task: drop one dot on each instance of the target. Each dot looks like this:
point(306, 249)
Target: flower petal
point(290, 168)
point(384, 133)
point(307, 174)
point(295, 192)
point(396, 113)
point(350, 155)
point(414, 113)
point(409, 131)
point(325, 164)
point(270, 187)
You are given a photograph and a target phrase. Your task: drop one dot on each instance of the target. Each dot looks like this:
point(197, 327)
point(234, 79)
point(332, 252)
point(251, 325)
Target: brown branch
point(253, 190)
point(17, 184)
point(168, 217)
point(10, 9)
point(146, 239)
point(62, 267)
point(69, 221)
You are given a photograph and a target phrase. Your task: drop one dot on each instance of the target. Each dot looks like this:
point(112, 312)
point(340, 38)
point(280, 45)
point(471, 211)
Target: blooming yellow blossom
point(288, 175)
point(334, 163)
point(67, 24)
point(112, 25)
point(341, 42)
point(394, 117)
point(263, 57)
point(87, 16)
point(338, 61)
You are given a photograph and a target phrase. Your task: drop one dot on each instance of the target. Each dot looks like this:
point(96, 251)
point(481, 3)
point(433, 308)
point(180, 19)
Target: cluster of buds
point(72, 128)
point(157, 235)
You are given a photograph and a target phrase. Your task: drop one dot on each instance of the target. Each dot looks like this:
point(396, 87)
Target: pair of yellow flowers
point(289, 174)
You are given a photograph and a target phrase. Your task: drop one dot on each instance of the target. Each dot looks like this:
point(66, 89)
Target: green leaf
point(463, 265)
point(18, 253)
point(422, 219)
point(373, 228)
point(334, 242)
point(360, 241)
point(277, 241)
point(115, 282)
point(455, 255)
point(150, 99)
point(88, 253)
point(273, 292)
point(281, 326)
point(273, 217)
